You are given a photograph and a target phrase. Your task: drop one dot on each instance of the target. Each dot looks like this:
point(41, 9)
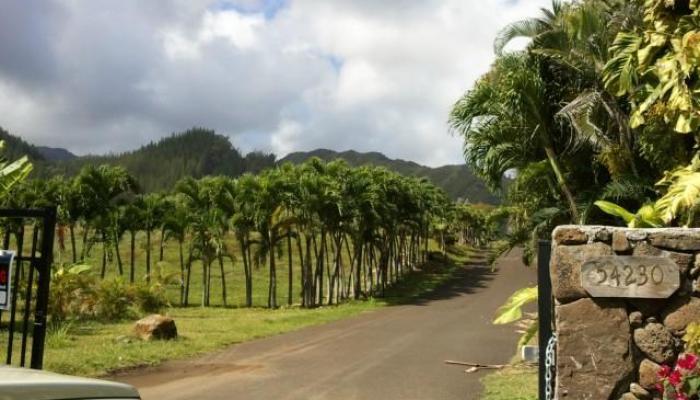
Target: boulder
point(593, 350)
point(155, 326)
point(656, 342)
point(648, 374)
point(681, 312)
point(565, 268)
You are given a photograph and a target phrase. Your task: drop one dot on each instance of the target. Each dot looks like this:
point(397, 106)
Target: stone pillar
point(611, 348)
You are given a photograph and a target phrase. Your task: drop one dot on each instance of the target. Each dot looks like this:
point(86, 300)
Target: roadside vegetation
point(95, 347)
point(516, 383)
point(213, 252)
point(596, 121)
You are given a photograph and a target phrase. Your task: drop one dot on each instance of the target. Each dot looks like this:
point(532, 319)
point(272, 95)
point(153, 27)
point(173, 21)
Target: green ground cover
point(94, 348)
point(515, 383)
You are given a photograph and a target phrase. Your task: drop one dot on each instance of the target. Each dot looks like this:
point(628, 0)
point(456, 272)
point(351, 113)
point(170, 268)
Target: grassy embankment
point(515, 383)
point(94, 348)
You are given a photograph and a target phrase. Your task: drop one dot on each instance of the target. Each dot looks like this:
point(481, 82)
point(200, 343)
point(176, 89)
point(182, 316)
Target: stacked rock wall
point(611, 348)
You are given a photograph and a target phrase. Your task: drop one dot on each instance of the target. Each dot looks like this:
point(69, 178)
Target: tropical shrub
point(657, 65)
point(115, 299)
point(72, 292)
point(150, 298)
point(692, 338)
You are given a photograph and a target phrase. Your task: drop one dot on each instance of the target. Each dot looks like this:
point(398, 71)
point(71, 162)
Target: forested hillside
point(158, 165)
point(457, 180)
point(15, 148)
point(200, 152)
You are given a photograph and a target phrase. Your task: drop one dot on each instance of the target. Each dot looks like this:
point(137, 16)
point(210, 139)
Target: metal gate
point(30, 233)
point(545, 311)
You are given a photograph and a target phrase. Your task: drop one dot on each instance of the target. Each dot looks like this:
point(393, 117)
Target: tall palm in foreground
point(507, 121)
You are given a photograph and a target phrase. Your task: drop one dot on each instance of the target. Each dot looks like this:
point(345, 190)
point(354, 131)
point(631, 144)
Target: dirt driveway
point(392, 353)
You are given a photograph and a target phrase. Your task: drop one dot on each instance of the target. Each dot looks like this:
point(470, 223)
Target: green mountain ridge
point(200, 152)
point(457, 180)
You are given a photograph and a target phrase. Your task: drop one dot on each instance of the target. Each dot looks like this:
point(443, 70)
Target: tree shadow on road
point(441, 278)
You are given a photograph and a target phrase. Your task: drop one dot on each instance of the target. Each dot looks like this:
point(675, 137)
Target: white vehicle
point(31, 384)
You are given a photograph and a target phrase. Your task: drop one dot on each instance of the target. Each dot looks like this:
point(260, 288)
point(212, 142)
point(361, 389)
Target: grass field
point(94, 348)
point(516, 383)
point(170, 266)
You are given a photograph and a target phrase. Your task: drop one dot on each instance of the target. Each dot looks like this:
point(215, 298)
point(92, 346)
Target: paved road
point(393, 353)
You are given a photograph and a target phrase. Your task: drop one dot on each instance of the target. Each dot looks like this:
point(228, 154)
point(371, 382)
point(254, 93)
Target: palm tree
point(271, 221)
point(131, 220)
point(243, 223)
point(176, 225)
point(100, 189)
point(507, 120)
point(207, 225)
point(152, 212)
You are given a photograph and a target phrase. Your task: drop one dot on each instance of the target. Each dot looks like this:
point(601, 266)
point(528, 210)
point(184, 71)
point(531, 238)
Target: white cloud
point(365, 74)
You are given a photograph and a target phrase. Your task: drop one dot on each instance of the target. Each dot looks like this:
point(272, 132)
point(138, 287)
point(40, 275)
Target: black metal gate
point(30, 233)
point(545, 310)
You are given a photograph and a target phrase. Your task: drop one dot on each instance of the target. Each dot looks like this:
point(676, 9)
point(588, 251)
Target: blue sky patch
point(269, 8)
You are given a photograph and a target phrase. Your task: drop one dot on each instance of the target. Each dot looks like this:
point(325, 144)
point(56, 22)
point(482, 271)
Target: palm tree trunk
point(223, 278)
point(272, 294)
point(319, 267)
point(104, 257)
point(250, 268)
point(188, 279)
point(358, 271)
point(309, 291)
point(336, 273)
point(83, 252)
point(302, 273)
point(182, 272)
point(553, 161)
point(162, 240)
point(246, 272)
point(71, 228)
point(118, 255)
point(289, 261)
point(208, 286)
point(148, 256)
point(203, 301)
point(133, 257)
point(328, 267)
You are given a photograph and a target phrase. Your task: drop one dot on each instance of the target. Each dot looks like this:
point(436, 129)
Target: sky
point(99, 76)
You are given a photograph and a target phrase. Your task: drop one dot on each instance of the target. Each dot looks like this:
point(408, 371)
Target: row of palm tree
point(350, 232)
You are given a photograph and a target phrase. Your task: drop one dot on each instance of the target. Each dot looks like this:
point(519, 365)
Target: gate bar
point(42, 293)
point(544, 309)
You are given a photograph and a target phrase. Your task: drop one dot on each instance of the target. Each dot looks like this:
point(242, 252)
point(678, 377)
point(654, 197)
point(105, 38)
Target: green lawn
point(515, 383)
point(93, 348)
